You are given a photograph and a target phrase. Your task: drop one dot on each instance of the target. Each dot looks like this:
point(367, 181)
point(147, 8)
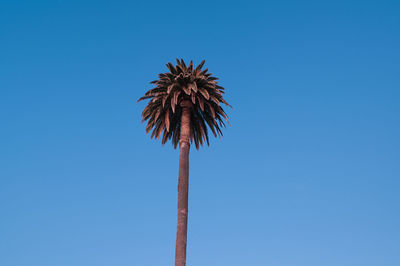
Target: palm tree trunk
point(183, 185)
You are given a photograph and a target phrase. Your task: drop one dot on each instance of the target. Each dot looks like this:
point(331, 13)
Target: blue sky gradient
point(307, 174)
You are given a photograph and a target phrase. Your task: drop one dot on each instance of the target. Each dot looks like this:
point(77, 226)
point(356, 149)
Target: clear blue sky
point(308, 173)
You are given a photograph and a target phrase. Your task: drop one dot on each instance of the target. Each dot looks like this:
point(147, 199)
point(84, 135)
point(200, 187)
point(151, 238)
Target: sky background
point(308, 173)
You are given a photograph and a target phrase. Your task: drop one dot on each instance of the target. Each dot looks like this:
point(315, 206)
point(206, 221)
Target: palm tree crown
point(185, 83)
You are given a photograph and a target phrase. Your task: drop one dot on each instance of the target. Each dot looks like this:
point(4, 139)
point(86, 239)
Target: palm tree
point(183, 102)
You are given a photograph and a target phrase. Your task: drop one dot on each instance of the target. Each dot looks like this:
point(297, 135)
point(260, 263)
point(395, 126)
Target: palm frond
point(185, 82)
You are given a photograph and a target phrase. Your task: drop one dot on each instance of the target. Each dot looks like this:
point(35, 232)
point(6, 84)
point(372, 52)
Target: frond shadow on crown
point(184, 82)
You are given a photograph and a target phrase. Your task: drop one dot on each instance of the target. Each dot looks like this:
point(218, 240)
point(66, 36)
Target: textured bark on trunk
point(183, 185)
